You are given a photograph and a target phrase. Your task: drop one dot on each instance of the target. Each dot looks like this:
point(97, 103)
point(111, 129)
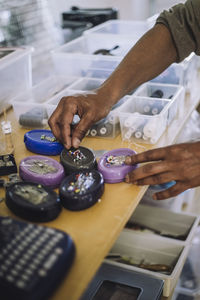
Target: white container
point(95, 66)
point(162, 222)
point(144, 118)
point(102, 45)
point(122, 28)
point(184, 73)
point(151, 250)
point(15, 73)
point(31, 109)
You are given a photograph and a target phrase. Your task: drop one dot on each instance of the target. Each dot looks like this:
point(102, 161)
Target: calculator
point(33, 259)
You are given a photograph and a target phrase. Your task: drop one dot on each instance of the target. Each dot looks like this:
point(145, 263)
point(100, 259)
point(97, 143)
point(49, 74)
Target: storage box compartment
point(150, 253)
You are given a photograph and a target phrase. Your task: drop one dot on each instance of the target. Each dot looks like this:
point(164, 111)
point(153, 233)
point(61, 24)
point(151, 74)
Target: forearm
point(152, 54)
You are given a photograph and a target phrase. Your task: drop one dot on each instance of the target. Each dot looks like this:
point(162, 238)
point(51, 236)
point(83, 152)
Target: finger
point(81, 129)
point(150, 155)
point(156, 179)
point(147, 170)
point(54, 125)
point(175, 190)
point(66, 119)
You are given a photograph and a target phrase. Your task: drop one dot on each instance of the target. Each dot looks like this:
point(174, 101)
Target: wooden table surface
point(94, 230)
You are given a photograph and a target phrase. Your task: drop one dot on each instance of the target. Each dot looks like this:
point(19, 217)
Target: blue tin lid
point(42, 141)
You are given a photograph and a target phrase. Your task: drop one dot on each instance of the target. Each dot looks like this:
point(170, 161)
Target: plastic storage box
point(145, 117)
point(31, 108)
point(184, 73)
point(15, 73)
point(189, 281)
point(154, 220)
point(95, 66)
point(88, 45)
point(151, 250)
point(108, 127)
point(112, 282)
point(128, 29)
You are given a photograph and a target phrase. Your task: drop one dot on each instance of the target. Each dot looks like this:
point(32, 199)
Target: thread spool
point(105, 129)
point(37, 117)
point(150, 129)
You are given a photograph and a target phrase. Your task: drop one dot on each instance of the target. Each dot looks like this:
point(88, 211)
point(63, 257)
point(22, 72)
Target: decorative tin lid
point(77, 160)
point(81, 190)
point(32, 201)
point(41, 169)
point(42, 141)
point(112, 165)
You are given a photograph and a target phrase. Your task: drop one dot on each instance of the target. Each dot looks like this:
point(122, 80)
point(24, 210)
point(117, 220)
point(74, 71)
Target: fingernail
point(127, 179)
point(128, 160)
point(76, 142)
point(66, 146)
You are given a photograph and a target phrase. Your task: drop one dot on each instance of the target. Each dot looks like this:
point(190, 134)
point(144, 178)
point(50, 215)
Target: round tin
point(42, 170)
point(33, 202)
point(42, 141)
point(81, 190)
point(79, 159)
point(112, 165)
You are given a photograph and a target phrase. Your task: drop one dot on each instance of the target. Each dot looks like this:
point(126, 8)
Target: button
point(21, 284)
point(58, 250)
point(10, 278)
point(50, 261)
point(42, 273)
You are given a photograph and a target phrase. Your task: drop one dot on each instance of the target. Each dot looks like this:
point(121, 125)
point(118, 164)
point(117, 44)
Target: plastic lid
point(112, 165)
point(79, 159)
point(42, 141)
point(41, 169)
point(32, 201)
point(81, 190)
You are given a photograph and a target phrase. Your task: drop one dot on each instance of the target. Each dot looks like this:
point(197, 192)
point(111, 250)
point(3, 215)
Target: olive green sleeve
point(183, 22)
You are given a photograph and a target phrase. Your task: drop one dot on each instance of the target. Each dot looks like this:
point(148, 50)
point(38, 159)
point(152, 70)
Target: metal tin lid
point(41, 169)
point(77, 160)
point(112, 165)
point(81, 190)
point(42, 141)
point(33, 202)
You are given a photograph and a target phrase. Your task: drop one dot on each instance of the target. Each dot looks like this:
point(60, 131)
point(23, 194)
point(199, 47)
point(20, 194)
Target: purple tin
point(112, 165)
point(41, 169)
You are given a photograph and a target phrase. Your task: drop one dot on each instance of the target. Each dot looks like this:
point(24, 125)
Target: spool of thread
point(113, 118)
point(128, 135)
point(150, 129)
point(131, 119)
point(145, 138)
point(105, 129)
point(37, 117)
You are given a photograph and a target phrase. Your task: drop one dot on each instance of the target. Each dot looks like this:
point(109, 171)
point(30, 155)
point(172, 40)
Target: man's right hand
point(90, 107)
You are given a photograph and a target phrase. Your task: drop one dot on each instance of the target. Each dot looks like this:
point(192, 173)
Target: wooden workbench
point(94, 230)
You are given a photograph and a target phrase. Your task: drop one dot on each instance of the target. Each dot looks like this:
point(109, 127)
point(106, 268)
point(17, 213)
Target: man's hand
point(180, 163)
point(89, 107)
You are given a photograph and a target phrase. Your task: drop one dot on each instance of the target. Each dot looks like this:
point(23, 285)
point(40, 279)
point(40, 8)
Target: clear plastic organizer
point(94, 66)
point(149, 220)
point(155, 256)
point(184, 73)
point(150, 110)
point(106, 128)
point(189, 281)
point(122, 28)
point(88, 45)
point(31, 108)
point(15, 73)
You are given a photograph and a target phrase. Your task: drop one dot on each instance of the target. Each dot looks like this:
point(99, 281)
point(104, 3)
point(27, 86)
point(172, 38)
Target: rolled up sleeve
point(183, 22)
